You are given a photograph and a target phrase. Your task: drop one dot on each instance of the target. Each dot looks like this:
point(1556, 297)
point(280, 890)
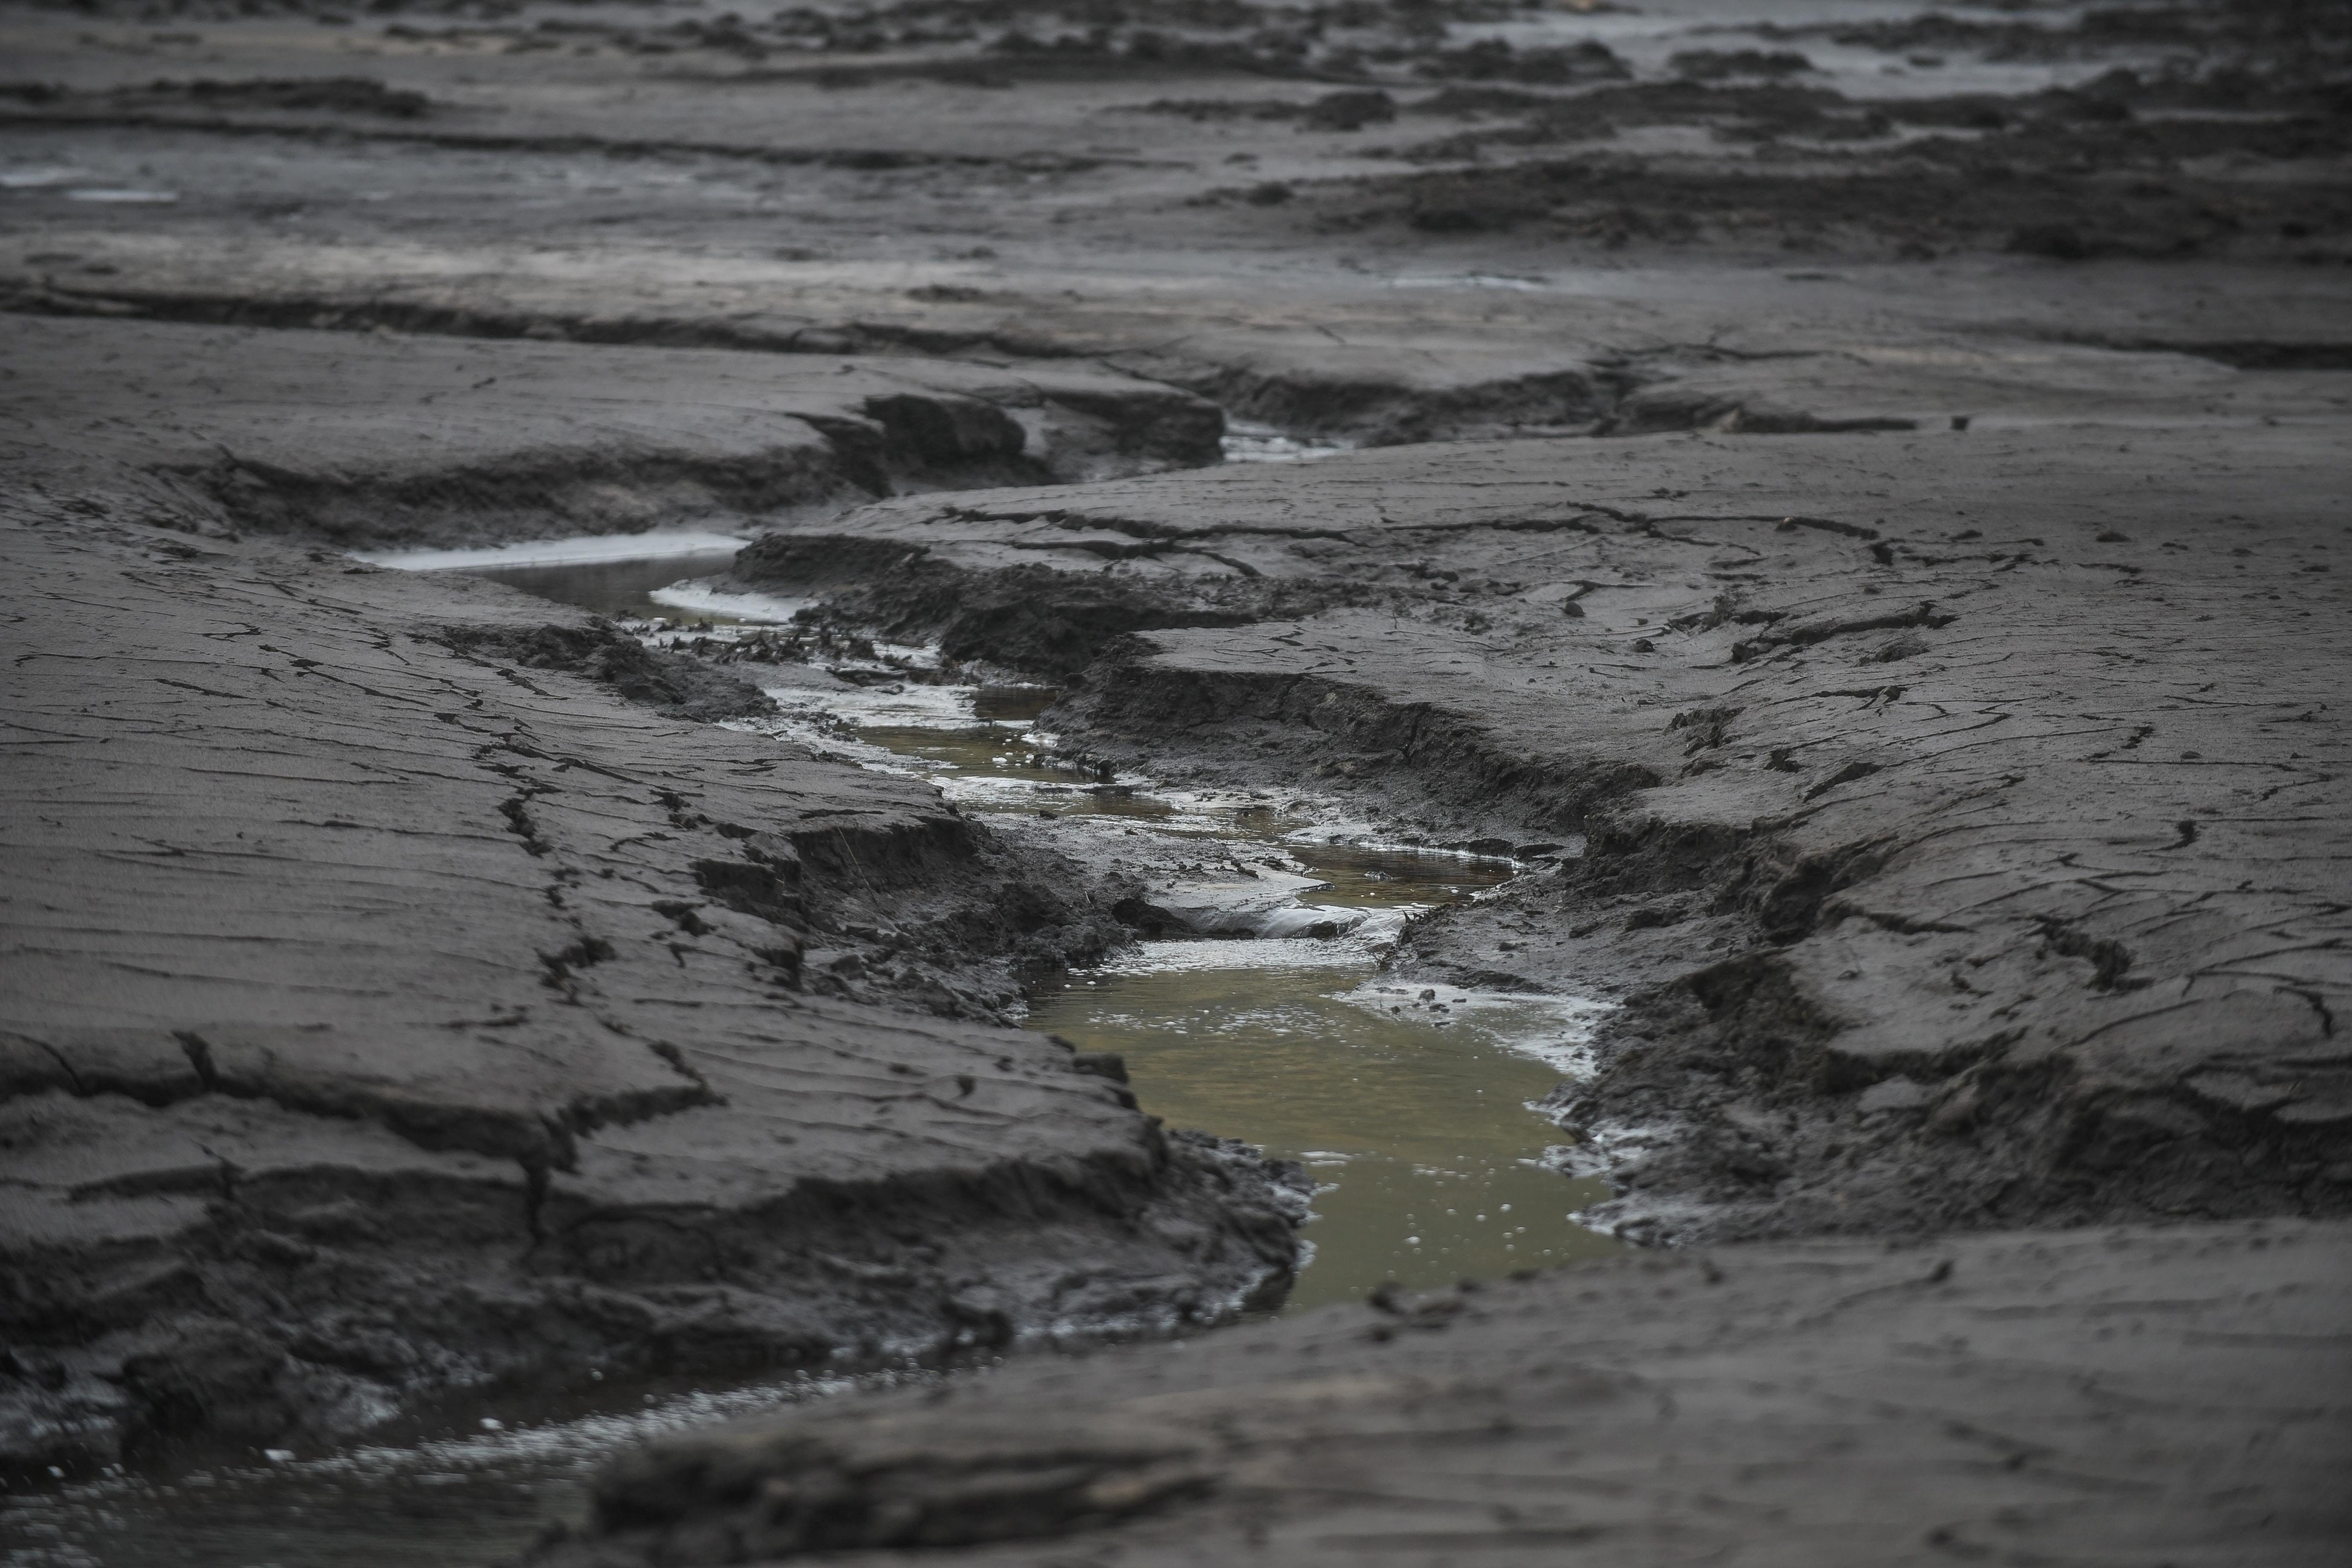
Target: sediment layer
point(405, 995)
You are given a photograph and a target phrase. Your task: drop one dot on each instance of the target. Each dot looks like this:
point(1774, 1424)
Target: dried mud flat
point(1853, 496)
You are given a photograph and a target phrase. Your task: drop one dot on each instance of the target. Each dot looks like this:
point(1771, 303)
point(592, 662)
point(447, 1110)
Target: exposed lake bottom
point(1411, 1105)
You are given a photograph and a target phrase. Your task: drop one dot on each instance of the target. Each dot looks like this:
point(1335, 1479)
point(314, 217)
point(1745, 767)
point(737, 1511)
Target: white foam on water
point(700, 597)
point(992, 792)
point(1196, 955)
point(1554, 1030)
point(896, 705)
point(1357, 948)
point(580, 550)
point(1247, 441)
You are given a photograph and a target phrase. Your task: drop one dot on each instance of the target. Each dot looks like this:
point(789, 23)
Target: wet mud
point(1087, 673)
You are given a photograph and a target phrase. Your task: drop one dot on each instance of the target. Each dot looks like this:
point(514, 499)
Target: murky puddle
point(1410, 1105)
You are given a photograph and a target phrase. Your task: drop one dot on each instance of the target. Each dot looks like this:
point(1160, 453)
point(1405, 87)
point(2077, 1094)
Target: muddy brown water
point(1410, 1105)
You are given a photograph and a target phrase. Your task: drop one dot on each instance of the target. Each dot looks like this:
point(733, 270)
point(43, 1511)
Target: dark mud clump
point(1714, 65)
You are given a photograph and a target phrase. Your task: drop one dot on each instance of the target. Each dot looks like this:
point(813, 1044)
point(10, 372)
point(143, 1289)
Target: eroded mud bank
point(1821, 787)
point(1245, 991)
point(1938, 742)
point(1789, 730)
point(404, 1006)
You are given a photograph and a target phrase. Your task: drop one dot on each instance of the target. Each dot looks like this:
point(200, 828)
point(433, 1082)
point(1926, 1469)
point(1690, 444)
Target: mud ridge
point(1373, 410)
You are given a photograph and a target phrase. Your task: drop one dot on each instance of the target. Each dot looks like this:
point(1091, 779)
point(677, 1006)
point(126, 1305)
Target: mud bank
point(1916, 780)
point(1443, 221)
point(500, 441)
point(1901, 598)
point(2177, 1395)
point(397, 1007)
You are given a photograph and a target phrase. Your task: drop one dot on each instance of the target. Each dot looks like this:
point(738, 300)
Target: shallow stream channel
point(1412, 1105)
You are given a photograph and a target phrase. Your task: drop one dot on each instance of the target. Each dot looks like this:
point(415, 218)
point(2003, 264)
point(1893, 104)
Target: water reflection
point(1415, 1122)
point(621, 589)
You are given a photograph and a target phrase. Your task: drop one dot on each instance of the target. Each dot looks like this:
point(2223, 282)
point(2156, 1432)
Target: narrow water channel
point(1411, 1105)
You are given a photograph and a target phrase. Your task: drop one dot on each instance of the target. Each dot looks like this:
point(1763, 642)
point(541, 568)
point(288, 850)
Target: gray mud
point(2021, 1395)
point(1850, 494)
point(462, 1038)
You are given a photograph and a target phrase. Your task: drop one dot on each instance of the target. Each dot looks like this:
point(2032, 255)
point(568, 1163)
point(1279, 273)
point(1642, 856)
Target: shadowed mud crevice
point(1387, 411)
point(517, 811)
point(2109, 959)
point(200, 1058)
point(1806, 633)
point(557, 493)
point(1670, 408)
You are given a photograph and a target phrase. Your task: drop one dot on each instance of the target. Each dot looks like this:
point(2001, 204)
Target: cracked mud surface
point(2008, 844)
point(392, 1010)
point(1852, 494)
